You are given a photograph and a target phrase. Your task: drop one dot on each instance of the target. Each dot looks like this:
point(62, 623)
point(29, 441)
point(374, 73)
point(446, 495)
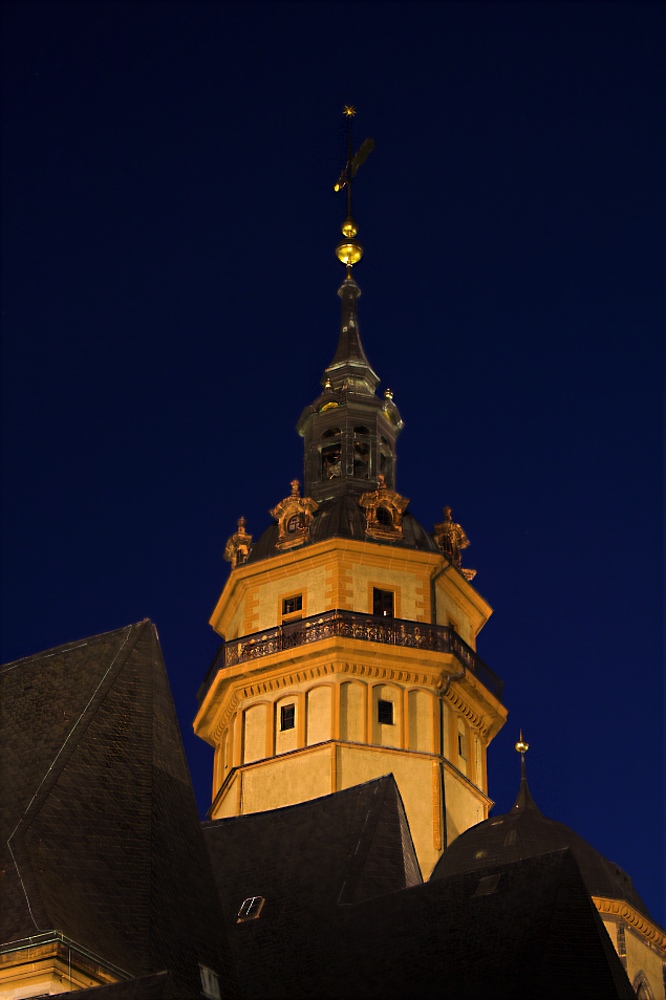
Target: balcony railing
point(351, 625)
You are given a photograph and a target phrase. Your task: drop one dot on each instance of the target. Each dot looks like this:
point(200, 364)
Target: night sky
point(169, 305)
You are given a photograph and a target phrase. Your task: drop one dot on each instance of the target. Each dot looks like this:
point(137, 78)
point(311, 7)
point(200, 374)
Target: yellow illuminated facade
point(314, 700)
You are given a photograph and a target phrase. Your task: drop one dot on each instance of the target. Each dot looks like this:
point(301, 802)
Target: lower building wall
point(464, 806)
point(286, 780)
point(642, 959)
point(333, 765)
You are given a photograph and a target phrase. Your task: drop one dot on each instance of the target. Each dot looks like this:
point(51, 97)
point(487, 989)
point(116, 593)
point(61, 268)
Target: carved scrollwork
point(383, 512)
point(238, 546)
point(294, 516)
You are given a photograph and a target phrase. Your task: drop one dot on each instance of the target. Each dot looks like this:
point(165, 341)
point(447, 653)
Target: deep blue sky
point(169, 305)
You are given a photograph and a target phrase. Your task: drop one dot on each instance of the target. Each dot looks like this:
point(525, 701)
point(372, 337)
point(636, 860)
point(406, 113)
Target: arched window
point(331, 454)
point(384, 517)
point(642, 987)
point(361, 453)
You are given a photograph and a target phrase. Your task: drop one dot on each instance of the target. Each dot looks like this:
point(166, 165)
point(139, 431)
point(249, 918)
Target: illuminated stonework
point(238, 546)
point(383, 510)
point(294, 516)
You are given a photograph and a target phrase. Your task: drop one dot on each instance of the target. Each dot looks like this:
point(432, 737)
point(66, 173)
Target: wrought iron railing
point(351, 625)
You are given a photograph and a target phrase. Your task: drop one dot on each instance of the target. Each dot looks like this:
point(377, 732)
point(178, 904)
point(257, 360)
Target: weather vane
point(349, 252)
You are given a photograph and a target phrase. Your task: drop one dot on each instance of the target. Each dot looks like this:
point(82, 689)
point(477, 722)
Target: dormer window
point(250, 908)
point(294, 523)
point(384, 517)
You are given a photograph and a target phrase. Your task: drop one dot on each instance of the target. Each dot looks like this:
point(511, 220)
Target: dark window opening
point(461, 744)
point(291, 604)
point(295, 523)
point(331, 432)
point(330, 462)
point(287, 717)
point(384, 517)
point(361, 460)
point(385, 713)
point(382, 603)
point(250, 908)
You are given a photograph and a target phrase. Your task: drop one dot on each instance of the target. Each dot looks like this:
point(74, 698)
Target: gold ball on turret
point(349, 228)
point(349, 252)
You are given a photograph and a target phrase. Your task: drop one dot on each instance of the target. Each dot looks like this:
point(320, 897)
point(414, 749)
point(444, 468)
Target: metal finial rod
point(521, 746)
point(349, 112)
point(350, 252)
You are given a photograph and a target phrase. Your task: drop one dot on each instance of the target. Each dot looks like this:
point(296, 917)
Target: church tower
point(349, 629)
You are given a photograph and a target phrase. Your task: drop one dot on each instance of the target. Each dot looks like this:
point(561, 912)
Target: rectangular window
point(292, 604)
point(382, 602)
point(287, 717)
point(385, 712)
point(461, 744)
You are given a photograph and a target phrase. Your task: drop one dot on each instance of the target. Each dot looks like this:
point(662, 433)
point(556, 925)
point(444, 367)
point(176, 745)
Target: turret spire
point(349, 433)
point(350, 366)
point(349, 252)
point(524, 800)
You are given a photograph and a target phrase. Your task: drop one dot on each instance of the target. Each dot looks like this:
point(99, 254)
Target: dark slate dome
point(525, 833)
point(342, 517)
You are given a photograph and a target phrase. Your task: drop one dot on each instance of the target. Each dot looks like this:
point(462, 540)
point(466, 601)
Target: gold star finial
point(349, 111)
point(521, 745)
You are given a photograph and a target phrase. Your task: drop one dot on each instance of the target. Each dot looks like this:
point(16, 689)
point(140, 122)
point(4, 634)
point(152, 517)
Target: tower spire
point(350, 366)
point(524, 800)
point(349, 433)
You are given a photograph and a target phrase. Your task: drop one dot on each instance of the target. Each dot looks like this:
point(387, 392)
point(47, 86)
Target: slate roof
point(344, 918)
point(306, 860)
point(527, 929)
point(342, 517)
point(100, 835)
point(525, 832)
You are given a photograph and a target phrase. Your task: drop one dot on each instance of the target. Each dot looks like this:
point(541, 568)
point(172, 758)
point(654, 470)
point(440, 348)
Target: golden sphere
point(349, 228)
point(349, 253)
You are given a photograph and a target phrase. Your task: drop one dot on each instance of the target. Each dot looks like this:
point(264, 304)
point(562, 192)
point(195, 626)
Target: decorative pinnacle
point(349, 252)
point(521, 746)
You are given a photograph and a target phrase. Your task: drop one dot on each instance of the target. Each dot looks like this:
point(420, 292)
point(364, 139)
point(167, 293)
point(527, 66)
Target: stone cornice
point(645, 927)
point(245, 689)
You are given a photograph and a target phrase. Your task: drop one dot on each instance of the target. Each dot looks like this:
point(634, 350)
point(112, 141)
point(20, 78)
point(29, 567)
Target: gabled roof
point(307, 861)
point(341, 921)
point(339, 848)
point(100, 835)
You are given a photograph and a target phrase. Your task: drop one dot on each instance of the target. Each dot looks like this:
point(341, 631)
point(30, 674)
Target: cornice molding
point(646, 928)
point(244, 691)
